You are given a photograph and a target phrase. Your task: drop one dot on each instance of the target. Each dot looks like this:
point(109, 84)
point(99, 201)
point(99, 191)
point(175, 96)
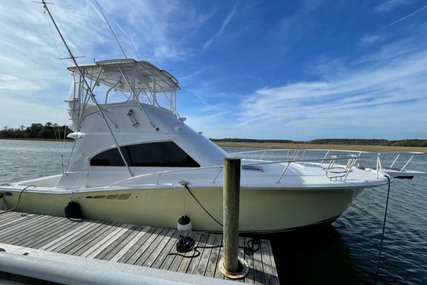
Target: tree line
point(36, 131)
point(379, 142)
point(54, 131)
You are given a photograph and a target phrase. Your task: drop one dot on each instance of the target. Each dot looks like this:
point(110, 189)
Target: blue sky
point(296, 70)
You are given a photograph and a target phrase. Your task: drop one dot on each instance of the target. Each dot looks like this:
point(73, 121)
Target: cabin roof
point(126, 74)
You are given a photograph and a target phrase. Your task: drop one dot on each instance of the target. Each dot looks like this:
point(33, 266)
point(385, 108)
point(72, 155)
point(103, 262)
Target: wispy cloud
point(391, 4)
point(369, 40)
point(160, 30)
point(406, 17)
point(222, 29)
point(382, 96)
point(14, 84)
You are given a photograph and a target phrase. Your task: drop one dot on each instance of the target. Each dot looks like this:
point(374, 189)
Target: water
point(20, 160)
point(344, 253)
point(347, 251)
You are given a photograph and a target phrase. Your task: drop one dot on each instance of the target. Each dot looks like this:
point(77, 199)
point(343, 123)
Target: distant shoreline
point(286, 145)
point(278, 145)
point(37, 139)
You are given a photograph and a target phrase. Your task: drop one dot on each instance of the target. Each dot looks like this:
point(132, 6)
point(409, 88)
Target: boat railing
point(333, 169)
point(339, 172)
point(292, 154)
point(413, 154)
point(379, 167)
point(398, 168)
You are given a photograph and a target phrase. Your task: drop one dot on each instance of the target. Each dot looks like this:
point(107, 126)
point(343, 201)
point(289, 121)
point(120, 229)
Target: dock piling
point(231, 266)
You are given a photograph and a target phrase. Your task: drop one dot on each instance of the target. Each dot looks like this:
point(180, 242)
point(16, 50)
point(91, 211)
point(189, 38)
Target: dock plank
point(214, 257)
point(143, 247)
point(270, 274)
point(164, 254)
point(21, 226)
point(198, 249)
point(9, 218)
point(108, 239)
point(181, 263)
point(153, 241)
point(127, 257)
point(139, 232)
point(172, 254)
point(117, 245)
point(31, 228)
point(258, 268)
point(217, 273)
point(50, 246)
point(39, 236)
point(76, 239)
point(158, 248)
point(249, 258)
point(205, 255)
point(7, 215)
point(85, 239)
point(132, 244)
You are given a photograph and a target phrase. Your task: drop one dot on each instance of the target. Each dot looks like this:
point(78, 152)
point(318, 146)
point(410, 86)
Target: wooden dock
point(130, 244)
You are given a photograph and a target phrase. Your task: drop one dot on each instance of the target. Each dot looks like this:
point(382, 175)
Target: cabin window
point(147, 154)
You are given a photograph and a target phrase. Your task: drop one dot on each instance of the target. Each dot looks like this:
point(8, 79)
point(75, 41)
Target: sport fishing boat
point(134, 160)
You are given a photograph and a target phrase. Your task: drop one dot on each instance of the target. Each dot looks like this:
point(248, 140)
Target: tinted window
point(148, 154)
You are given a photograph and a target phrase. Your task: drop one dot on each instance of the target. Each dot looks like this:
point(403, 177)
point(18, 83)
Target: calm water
point(344, 253)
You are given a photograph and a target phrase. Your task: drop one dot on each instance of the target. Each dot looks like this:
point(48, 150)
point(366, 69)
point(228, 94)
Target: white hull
point(261, 210)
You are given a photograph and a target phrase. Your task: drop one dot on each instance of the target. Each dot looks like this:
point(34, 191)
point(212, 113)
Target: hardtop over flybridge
point(134, 160)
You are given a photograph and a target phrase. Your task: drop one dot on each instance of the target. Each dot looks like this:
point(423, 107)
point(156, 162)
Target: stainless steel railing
point(334, 170)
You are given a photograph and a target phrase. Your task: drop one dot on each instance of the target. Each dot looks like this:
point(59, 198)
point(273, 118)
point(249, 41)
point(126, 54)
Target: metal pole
point(92, 96)
point(231, 200)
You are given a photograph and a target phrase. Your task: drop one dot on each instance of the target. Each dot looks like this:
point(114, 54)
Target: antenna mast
point(92, 96)
point(111, 29)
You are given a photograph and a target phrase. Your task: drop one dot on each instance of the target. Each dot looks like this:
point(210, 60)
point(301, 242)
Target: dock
point(130, 250)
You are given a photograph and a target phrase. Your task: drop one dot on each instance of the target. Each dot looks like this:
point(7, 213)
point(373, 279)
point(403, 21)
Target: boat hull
point(261, 210)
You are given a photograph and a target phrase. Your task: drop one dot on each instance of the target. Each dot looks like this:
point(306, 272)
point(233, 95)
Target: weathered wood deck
point(130, 244)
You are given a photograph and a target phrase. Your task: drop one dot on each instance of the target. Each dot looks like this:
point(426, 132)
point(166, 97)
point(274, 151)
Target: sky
point(297, 70)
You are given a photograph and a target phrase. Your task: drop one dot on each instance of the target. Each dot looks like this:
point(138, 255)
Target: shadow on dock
point(315, 255)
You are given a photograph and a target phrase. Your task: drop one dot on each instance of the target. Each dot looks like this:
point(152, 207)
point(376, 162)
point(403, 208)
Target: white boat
point(134, 158)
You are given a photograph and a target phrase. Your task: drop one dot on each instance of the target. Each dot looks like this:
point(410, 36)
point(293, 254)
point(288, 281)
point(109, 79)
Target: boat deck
point(130, 244)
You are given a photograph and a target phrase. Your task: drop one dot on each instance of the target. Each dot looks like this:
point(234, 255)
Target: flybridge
point(120, 80)
point(132, 75)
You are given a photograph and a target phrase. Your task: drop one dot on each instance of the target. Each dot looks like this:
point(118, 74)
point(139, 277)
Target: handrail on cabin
point(332, 166)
